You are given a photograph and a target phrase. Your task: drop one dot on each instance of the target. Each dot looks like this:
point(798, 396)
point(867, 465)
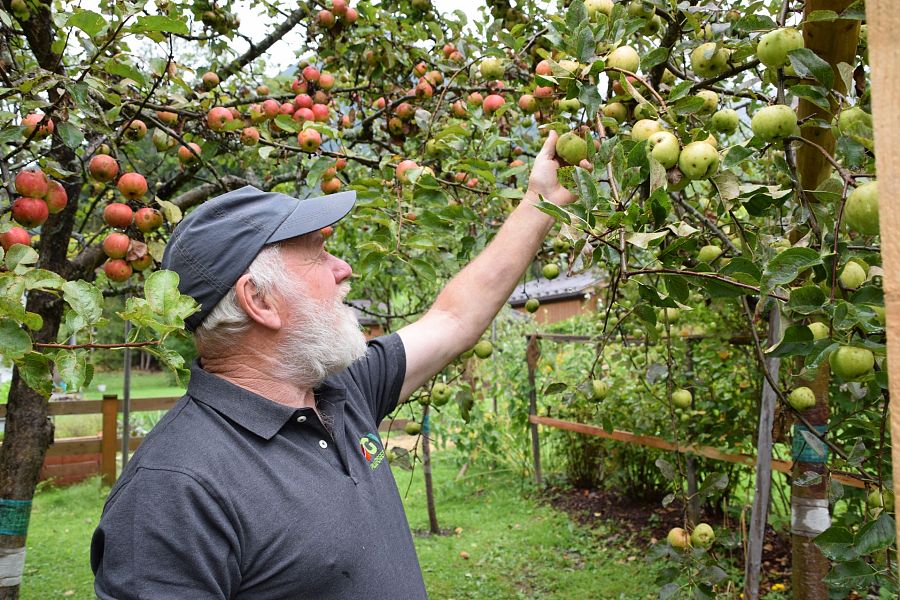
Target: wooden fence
point(97, 454)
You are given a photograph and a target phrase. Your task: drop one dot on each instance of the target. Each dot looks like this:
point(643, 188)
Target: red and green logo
point(372, 450)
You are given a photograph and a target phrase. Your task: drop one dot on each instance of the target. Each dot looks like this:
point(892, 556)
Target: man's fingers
point(548, 150)
point(586, 165)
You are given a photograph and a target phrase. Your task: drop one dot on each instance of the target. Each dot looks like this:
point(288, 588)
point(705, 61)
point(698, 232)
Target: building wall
point(560, 310)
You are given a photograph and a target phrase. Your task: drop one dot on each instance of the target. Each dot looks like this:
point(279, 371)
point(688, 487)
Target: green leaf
point(19, 256)
point(754, 23)
point(666, 468)
point(876, 535)
point(819, 354)
point(785, 267)
point(806, 63)
point(122, 69)
point(71, 135)
point(555, 388)
point(797, 339)
point(855, 574)
point(88, 21)
point(575, 16)
point(85, 299)
point(163, 297)
point(807, 299)
point(34, 368)
point(14, 341)
point(713, 483)
point(813, 93)
point(736, 155)
point(554, 211)
point(161, 23)
point(821, 15)
point(836, 543)
point(72, 368)
point(585, 48)
point(657, 56)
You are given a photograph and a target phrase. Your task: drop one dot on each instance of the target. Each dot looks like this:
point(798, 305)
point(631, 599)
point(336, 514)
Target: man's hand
point(543, 178)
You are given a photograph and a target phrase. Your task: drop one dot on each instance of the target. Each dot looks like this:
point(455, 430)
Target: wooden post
point(690, 465)
point(426, 470)
point(884, 57)
point(532, 353)
point(110, 411)
point(760, 511)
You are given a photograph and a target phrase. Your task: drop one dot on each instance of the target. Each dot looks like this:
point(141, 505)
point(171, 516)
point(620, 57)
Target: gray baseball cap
point(213, 246)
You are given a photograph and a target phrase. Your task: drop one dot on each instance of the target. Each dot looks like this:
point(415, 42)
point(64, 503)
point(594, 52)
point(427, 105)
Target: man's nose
point(342, 270)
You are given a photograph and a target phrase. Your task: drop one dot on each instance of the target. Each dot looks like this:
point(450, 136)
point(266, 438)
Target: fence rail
point(650, 441)
point(108, 444)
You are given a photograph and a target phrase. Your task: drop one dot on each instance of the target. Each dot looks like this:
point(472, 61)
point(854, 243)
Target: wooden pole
point(108, 445)
point(690, 465)
point(760, 511)
point(426, 470)
point(532, 353)
point(883, 20)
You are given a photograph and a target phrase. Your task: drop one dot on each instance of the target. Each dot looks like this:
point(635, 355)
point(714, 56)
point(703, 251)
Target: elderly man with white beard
point(268, 479)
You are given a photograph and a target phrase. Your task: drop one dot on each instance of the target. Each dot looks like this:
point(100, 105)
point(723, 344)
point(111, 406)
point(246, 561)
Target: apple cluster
point(124, 254)
point(39, 197)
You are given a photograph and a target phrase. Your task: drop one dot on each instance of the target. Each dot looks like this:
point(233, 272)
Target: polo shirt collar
point(256, 413)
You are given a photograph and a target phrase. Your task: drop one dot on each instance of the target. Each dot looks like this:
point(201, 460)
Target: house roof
point(555, 289)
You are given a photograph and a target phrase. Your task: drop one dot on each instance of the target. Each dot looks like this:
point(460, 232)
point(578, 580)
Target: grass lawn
point(517, 548)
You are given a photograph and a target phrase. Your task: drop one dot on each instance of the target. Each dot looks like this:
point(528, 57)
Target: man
point(268, 479)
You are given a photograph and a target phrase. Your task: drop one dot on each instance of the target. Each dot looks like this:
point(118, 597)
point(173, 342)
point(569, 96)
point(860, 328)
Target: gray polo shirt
point(235, 496)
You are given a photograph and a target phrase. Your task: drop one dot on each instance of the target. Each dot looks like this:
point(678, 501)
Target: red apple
point(103, 167)
point(424, 89)
point(132, 185)
point(16, 235)
point(448, 49)
point(475, 98)
point(303, 101)
point(167, 117)
point(352, 15)
point(118, 215)
point(117, 269)
point(473, 182)
point(250, 136)
point(186, 156)
point(543, 68)
point(380, 103)
point(31, 122)
point(326, 81)
point(116, 245)
point(405, 111)
point(56, 198)
point(458, 109)
point(147, 219)
point(33, 184)
point(262, 90)
point(309, 140)
point(136, 130)
point(330, 186)
point(303, 114)
point(339, 7)
point(218, 117)
point(492, 103)
point(271, 108)
point(320, 112)
point(287, 108)
point(403, 167)
point(310, 73)
point(434, 77)
point(340, 164)
point(325, 18)
point(30, 212)
point(210, 80)
point(142, 263)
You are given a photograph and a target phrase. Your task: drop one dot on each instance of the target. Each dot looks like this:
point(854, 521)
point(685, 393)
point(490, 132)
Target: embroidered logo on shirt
point(372, 451)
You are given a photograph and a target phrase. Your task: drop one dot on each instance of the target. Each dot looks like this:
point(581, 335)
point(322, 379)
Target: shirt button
point(301, 419)
point(323, 444)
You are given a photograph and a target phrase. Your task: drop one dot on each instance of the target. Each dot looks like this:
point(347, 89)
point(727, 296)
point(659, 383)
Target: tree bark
point(835, 42)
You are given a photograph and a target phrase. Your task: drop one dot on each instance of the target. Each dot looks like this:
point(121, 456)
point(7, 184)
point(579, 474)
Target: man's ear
point(263, 310)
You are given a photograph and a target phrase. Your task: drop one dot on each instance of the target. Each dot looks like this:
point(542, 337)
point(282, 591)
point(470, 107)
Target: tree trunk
point(835, 42)
point(426, 470)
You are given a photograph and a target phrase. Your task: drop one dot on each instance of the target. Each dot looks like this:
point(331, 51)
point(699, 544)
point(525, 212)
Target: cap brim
point(314, 214)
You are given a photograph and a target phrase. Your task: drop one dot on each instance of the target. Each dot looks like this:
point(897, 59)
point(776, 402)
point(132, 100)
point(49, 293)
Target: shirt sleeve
point(380, 373)
point(164, 536)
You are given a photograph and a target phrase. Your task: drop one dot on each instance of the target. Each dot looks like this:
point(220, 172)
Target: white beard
point(322, 339)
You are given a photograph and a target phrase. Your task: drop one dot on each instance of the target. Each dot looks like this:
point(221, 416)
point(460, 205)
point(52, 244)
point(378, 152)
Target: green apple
point(645, 110)
point(598, 389)
point(625, 58)
point(710, 102)
point(643, 129)
point(596, 7)
point(679, 538)
point(709, 253)
point(861, 209)
point(853, 119)
point(616, 110)
point(819, 330)
point(703, 535)
point(724, 121)
point(802, 398)
point(440, 394)
point(570, 106)
point(852, 276)
point(550, 271)
point(483, 349)
point(774, 122)
point(773, 47)
point(682, 398)
point(670, 314)
point(571, 148)
point(532, 304)
point(879, 499)
point(708, 60)
point(491, 68)
point(664, 147)
point(413, 428)
point(850, 362)
point(698, 160)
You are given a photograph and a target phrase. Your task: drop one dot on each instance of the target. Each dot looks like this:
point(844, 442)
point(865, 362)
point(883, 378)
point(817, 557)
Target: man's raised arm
point(469, 302)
